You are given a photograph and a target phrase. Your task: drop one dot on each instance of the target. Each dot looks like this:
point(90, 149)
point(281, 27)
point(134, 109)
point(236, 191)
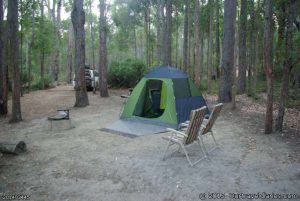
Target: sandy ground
point(85, 163)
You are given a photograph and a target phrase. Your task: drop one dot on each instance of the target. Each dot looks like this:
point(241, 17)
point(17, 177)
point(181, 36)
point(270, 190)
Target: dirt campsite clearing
point(84, 163)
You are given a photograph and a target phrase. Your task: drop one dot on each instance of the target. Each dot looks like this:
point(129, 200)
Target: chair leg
point(165, 152)
point(212, 134)
point(201, 140)
point(186, 154)
point(216, 144)
point(201, 146)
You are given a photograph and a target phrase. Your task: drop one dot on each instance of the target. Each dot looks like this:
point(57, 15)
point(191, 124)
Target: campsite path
point(85, 163)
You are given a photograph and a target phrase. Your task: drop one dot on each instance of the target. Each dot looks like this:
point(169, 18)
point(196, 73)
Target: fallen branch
point(11, 148)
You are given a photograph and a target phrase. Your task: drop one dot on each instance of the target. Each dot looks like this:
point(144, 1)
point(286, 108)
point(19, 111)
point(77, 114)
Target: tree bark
point(168, 34)
point(159, 33)
point(149, 34)
point(281, 17)
point(92, 35)
point(177, 37)
point(58, 41)
point(210, 44)
point(227, 63)
point(251, 64)
point(242, 48)
point(257, 63)
point(185, 36)
point(235, 68)
point(217, 68)
point(191, 46)
point(287, 66)
point(3, 108)
point(30, 45)
point(147, 37)
point(135, 40)
point(70, 55)
point(13, 44)
point(197, 76)
point(103, 50)
point(268, 39)
point(42, 56)
point(78, 20)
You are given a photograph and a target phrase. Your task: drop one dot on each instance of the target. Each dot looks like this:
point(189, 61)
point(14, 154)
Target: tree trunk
point(210, 44)
point(235, 68)
point(251, 64)
point(201, 52)
point(227, 63)
point(168, 33)
point(53, 9)
point(57, 53)
point(146, 34)
point(30, 45)
point(78, 20)
point(256, 64)
point(287, 66)
point(217, 65)
point(242, 48)
point(177, 37)
point(281, 16)
point(268, 39)
point(70, 55)
point(135, 41)
point(3, 108)
point(197, 69)
point(190, 65)
point(149, 35)
point(185, 36)
point(20, 41)
point(13, 46)
point(92, 36)
point(103, 51)
point(42, 56)
point(159, 33)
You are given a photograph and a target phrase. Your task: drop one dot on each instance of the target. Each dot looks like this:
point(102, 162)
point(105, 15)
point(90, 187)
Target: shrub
point(126, 73)
point(37, 83)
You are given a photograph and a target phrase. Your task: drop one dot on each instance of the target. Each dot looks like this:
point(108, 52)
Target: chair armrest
point(176, 132)
point(183, 125)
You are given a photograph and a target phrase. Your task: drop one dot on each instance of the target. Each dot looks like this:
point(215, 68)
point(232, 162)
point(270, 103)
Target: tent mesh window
point(181, 88)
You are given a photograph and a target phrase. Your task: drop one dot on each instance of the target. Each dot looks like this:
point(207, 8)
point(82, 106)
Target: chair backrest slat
point(212, 118)
point(196, 119)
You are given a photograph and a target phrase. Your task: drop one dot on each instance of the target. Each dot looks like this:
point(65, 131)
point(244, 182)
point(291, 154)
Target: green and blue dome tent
point(164, 96)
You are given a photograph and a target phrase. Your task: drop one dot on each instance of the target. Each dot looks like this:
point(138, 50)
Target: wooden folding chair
point(190, 135)
point(206, 127)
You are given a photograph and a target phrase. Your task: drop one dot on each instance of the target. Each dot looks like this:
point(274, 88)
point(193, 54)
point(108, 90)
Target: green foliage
point(293, 100)
point(214, 86)
point(45, 36)
point(126, 73)
point(37, 83)
point(24, 77)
